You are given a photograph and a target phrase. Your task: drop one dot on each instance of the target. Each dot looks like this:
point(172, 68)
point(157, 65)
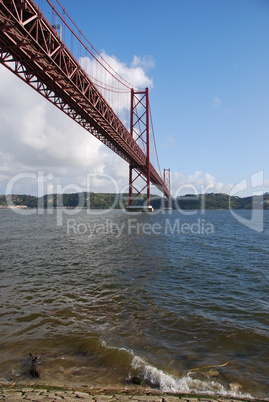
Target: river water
point(172, 301)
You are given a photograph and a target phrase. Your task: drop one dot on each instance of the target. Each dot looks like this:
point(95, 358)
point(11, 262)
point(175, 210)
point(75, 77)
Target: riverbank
point(42, 394)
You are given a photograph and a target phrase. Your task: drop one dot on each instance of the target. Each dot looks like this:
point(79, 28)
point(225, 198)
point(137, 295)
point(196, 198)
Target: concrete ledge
point(147, 208)
point(41, 394)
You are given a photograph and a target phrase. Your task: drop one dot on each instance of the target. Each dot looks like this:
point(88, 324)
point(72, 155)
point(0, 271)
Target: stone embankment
point(20, 394)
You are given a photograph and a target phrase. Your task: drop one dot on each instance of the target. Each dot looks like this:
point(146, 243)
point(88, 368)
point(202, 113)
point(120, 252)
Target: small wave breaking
point(186, 384)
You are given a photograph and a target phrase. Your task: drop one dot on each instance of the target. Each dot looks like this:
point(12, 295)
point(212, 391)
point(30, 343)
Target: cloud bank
point(43, 150)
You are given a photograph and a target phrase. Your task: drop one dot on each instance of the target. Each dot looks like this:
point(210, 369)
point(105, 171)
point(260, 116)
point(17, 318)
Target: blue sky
point(209, 64)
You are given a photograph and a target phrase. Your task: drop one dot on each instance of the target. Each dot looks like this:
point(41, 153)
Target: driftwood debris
point(34, 371)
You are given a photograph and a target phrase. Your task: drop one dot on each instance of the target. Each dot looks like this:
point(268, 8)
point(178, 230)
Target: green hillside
point(117, 201)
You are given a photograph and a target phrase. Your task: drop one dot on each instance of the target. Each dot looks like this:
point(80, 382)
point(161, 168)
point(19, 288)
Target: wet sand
point(9, 393)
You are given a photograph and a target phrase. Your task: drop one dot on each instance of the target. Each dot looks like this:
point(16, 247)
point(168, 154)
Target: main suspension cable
point(122, 80)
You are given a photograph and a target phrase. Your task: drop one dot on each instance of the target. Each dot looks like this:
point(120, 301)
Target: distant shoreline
point(211, 201)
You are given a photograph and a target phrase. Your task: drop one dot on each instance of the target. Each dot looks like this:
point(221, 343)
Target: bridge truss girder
point(31, 49)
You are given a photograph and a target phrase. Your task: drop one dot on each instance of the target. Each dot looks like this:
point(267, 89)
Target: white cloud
point(45, 147)
point(37, 137)
point(197, 183)
point(39, 141)
point(146, 62)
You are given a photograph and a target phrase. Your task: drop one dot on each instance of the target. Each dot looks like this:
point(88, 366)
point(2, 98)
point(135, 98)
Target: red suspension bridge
point(34, 50)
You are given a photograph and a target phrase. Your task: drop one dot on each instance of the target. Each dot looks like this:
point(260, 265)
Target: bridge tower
point(139, 130)
point(167, 201)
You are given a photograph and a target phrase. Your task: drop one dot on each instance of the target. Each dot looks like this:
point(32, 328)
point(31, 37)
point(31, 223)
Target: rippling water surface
point(172, 301)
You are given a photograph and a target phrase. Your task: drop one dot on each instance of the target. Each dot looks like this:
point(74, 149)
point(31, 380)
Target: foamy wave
point(186, 384)
point(141, 370)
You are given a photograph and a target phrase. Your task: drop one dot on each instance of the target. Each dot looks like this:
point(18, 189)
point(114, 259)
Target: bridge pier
point(139, 130)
